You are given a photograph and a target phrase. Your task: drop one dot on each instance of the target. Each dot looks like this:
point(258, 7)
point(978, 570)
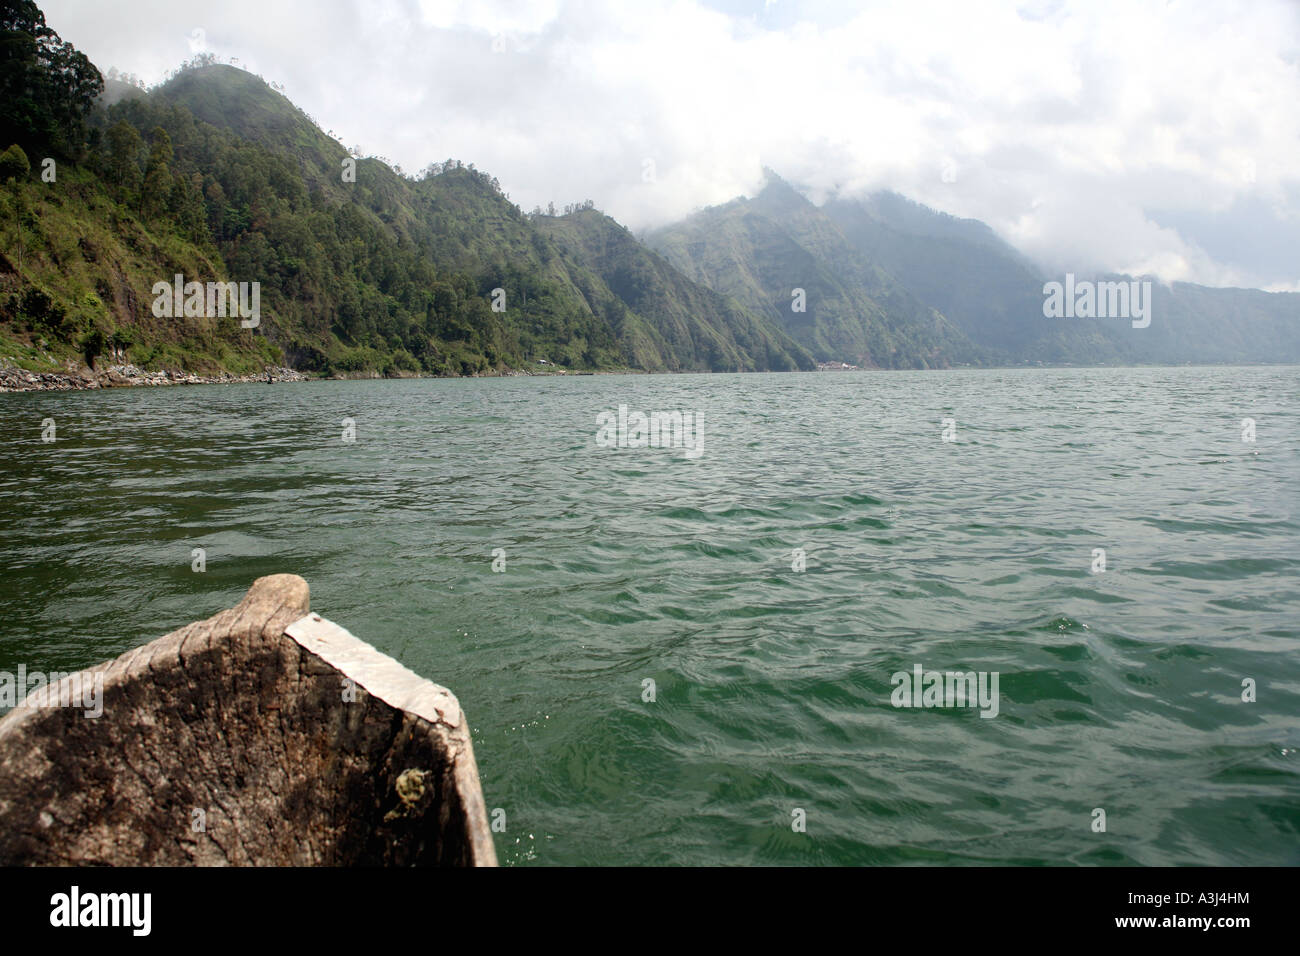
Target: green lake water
point(1120, 690)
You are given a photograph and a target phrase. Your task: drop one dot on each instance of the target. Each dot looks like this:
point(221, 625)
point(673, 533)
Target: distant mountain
point(957, 266)
point(893, 283)
point(760, 251)
point(908, 217)
point(995, 296)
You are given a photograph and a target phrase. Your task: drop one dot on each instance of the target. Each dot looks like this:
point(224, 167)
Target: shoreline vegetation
point(82, 379)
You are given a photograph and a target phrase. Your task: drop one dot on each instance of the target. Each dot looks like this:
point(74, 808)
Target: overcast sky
point(1144, 137)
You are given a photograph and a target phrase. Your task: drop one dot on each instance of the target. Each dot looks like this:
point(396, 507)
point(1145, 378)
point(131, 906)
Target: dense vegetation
point(667, 315)
point(107, 189)
point(362, 270)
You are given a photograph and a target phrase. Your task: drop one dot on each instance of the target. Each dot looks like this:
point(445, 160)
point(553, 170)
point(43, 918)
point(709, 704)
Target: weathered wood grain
point(261, 736)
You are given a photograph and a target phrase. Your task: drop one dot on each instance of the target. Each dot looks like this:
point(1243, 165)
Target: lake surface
point(1119, 689)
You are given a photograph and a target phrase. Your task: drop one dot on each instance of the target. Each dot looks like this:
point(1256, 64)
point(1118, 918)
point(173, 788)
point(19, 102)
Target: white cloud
point(1064, 125)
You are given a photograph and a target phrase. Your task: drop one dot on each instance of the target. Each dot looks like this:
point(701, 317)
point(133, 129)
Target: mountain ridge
point(364, 270)
point(987, 297)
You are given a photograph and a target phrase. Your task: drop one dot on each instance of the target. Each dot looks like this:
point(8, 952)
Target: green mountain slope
point(673, 323)
point(361, 270)
point(458, 218)
point(760, 251)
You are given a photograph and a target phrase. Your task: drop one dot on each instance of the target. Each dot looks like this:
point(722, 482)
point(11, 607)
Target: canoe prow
point(265, 735)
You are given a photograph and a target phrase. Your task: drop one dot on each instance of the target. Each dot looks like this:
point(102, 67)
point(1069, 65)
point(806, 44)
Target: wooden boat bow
point(265, 735)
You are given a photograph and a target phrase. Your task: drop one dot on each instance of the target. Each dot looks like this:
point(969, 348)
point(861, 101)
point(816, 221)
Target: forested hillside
point(108, 190)
point(362, 270)
point(673, 322)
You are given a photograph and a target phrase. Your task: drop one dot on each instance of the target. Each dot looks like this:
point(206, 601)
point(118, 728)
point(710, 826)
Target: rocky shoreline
point(127, 376)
